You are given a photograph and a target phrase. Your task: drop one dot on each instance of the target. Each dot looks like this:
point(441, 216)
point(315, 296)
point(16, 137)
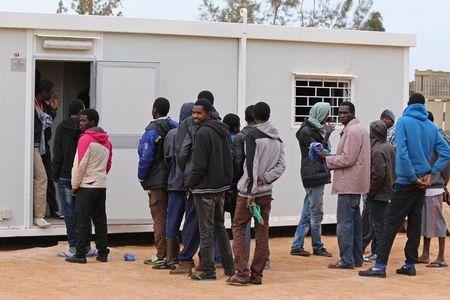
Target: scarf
point(317, 115)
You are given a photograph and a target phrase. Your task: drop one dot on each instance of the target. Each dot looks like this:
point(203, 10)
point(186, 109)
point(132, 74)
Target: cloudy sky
point(427, 19)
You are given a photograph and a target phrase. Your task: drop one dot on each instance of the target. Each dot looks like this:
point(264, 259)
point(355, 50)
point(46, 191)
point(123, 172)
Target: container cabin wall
point(379, 85)
point(186, 65)
point(12, 127)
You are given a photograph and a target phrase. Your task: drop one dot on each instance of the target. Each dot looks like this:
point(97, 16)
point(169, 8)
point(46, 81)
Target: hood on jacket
point(98, 134)
point(268, 129)
point(218, 126)
point(378, 132)
point(417, 111)
point(186, 111)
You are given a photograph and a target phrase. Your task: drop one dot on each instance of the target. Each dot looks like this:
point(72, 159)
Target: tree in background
point(92, 7)
point(340, 14)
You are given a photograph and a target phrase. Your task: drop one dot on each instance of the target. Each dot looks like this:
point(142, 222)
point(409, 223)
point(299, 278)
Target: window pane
point(343, 84)
point(304, 91)
point(302, 83)
point(313, 101)
point(302, 110)
point(330, 84)
point(315, 83)
point(301, 101)
point(299, 119)
point(323, 92)
point(335, 111)
point(328, 100)
point(337, 92)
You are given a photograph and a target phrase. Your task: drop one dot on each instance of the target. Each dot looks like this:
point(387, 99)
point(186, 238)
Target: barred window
point(311, 90)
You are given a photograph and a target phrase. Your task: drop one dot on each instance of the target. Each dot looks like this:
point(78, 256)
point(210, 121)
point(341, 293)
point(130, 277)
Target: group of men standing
point(364, 166)
point(200, 167)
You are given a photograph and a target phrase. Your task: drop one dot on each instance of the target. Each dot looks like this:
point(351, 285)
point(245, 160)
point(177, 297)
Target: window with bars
point(311, 90)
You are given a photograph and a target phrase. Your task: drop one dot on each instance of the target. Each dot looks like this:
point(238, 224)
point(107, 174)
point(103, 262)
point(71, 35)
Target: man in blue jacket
point(153, 173)
point(417, 138)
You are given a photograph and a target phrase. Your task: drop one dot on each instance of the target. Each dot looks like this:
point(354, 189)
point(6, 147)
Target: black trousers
point(90, 205)
point(51, 191)
point(407, 201)
point(377, 212)
point(367, 230)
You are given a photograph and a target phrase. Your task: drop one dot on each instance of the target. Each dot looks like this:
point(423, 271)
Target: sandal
point(203, 276)
point(437, 264)
point(233, 280)
point(168, 265)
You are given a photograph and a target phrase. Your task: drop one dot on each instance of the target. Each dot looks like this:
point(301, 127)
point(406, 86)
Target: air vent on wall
point(68, 44)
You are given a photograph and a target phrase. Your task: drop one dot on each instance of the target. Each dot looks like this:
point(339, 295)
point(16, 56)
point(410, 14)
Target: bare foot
point(423, 259)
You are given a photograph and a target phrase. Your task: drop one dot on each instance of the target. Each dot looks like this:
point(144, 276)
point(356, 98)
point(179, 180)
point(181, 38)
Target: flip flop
point(437, 265)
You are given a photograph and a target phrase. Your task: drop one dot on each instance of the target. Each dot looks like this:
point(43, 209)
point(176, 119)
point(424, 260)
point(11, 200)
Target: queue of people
point(203, 166)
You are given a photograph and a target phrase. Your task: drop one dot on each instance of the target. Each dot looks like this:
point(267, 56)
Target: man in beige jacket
point(351, 179)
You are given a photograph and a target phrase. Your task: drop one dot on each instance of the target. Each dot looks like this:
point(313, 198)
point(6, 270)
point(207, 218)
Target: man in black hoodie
point(211, 176)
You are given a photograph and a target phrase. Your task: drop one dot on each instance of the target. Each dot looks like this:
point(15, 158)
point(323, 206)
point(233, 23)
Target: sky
point(426, 19)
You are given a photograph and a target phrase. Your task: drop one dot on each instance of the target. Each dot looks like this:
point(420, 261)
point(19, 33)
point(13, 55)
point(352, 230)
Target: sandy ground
point(37, 273)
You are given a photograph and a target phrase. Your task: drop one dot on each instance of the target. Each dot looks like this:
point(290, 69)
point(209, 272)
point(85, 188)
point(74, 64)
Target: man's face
point(345, 115)
point(389, 123)
point(199, 114)
point(85, 123)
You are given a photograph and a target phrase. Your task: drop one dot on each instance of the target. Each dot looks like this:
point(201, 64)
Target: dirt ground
point(37, 273)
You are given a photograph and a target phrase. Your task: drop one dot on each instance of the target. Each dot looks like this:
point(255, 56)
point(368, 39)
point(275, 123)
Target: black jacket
point(382, 165)
point(64, 147)
point(38, 125)
point(312, 173)
point(239, 154)
point(212, 169)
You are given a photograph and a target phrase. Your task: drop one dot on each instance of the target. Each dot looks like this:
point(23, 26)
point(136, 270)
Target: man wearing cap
point(388, 118)
point(417, 138)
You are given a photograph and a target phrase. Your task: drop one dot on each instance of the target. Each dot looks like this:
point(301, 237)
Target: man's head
point(416, 98)
point(261, 112)
point(75, 108)
point(249, 114)
point(346, 112)
point(202, 111)
point(388, 118)
point(206, 95)
point(88, 118)
point(44, 90)
point(233, 122)
point(161, 108)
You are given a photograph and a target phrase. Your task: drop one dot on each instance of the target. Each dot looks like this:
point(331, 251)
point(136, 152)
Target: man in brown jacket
point(382, 177)
point(351, 166)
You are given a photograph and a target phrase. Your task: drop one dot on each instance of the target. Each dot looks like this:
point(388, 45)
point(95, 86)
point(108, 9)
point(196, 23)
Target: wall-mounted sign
point(18, 64)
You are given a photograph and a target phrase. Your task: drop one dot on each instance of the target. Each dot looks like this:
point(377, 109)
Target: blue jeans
point(349, 229)
point(175, 211)
point(190, 233)
point(68, 207)
point(312, 216)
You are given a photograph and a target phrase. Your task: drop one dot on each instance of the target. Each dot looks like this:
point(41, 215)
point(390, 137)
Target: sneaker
point(340, 265)
point(41, 223)
point(322, 252)
point(102, 258)
point(381, 273)
point(404, 270)
point(203, 276)
point(370, 259)
point(66, 253)
point(77, 260)
point(300, 252)
point(91, 253)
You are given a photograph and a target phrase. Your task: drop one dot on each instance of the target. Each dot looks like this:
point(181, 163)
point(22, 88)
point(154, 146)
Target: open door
point(124, 94)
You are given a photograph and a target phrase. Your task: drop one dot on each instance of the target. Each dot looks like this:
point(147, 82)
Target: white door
point(125, 92)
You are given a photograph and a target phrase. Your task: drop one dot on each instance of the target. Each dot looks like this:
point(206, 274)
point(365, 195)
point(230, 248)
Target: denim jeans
point(68, 207)
point(311, 218)
point(349, 229)
point(190, 233)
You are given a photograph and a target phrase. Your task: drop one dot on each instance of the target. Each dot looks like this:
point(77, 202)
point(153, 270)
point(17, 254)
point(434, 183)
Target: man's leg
point(414, 227)
point(68, 206)
point(84, 205)
point(100, 224)
point(175, 211)
point(205, 206)
point(241, 218)
point(345, 230)
point(221, 235)
point(366, 230)
point(158, 209)
point(303, 226)
point(262, 240)
point(377, 219)
point(316, 215)
point(51, 193)
point(39, 186)
point(357, 231)
point(190, 232)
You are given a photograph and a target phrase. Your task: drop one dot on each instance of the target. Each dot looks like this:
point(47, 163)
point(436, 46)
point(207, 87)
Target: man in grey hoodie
point(264, 164)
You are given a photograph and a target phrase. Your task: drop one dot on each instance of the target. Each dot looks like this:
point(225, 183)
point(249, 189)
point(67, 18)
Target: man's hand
point(260, 181)
point(54, 102)
point(321, 154)
point(329, 128)
point(74, 192)
point(424, 181)
point(250, 200)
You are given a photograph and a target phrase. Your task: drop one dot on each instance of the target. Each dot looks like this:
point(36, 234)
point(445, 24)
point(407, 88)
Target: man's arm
point(443, 153)
point(276, 172)
point(57, 153)
point(349, 155)
point(79, 168)
point(251, 163)
point(402, 152)
point(146, 151)
point(200, 160)
point(378, 173)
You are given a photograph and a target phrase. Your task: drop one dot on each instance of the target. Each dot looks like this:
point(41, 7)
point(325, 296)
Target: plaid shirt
point(391, 136)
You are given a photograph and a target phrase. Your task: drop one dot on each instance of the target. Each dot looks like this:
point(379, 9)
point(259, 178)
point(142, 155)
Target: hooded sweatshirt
point(212, 164)
point(264, 158)
point(416, 138)
point(175, 181)
point(382, 163)
point(64, 147)
point(92, 160)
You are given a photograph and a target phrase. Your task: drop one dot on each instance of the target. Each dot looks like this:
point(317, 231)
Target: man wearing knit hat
point(388, 118)
point(417, 138)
